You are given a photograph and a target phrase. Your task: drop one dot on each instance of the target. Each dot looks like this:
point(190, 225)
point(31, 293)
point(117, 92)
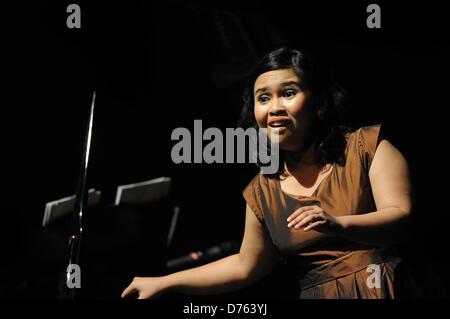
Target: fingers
point(313, 225)
point(313, 217)
point(304, 217)
point(300, 211)
point(130, 290)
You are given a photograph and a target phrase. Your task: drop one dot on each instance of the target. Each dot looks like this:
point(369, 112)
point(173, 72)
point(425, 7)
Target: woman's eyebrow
point(263, 89)
point(283, 84)
point(297, 84)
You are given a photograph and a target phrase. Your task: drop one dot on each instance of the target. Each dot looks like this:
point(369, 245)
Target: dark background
point(159, 65)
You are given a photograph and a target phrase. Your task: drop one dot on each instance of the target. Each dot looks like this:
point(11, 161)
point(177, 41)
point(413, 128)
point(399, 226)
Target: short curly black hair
point(330, 121)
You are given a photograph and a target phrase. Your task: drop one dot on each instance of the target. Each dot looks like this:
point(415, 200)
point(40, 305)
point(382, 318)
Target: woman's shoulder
point(252, 194)
point(364, 132)
point(363, 142)
point(260, 181)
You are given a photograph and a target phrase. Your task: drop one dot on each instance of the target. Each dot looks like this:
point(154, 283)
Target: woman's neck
point(303, 167)
point(302, 157)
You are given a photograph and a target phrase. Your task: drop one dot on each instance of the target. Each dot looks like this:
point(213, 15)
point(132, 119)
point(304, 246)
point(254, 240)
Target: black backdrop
point(159, 65)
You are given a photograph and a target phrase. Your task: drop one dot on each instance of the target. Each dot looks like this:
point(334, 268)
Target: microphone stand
point(68, 288)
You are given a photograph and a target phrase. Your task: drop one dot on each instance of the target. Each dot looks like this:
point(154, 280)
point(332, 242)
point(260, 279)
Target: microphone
point(197, 258)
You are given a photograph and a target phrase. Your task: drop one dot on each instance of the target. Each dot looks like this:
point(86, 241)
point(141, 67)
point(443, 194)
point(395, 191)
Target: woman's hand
point(314, 217)
point(144, 288)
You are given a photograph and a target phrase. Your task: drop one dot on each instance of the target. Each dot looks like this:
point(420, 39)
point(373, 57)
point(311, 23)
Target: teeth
point(278, 124)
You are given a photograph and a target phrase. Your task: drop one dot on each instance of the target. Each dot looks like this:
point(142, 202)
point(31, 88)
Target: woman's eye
point(290, 93)
point(263, 98)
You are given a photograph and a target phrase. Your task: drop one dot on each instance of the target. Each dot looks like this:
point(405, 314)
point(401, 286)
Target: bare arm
point(389, 179)
point(256, 258)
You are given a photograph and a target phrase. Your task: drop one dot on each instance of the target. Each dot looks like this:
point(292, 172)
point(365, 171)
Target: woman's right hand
point(144, 288)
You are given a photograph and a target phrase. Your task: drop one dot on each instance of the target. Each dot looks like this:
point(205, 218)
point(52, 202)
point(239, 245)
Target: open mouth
point(279, 123)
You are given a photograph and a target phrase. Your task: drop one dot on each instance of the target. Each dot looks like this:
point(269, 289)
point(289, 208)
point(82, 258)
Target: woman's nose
point(277, 107)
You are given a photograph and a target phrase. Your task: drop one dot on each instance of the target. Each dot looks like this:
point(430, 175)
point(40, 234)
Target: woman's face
point(284, 106)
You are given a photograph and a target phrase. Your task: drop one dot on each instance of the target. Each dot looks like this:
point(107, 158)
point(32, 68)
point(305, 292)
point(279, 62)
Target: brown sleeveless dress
point(329, 267)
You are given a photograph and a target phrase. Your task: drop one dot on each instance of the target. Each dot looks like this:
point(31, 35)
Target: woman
point(338, 203)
